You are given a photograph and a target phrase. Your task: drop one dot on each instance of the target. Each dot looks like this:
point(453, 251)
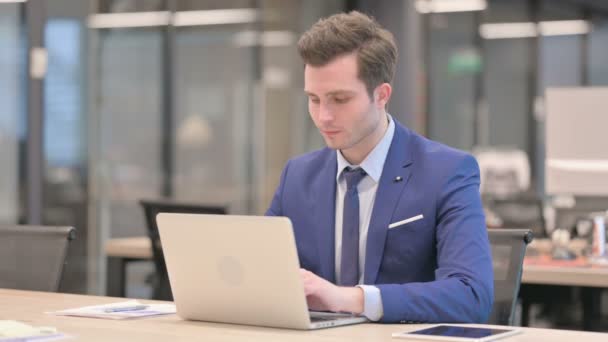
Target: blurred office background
point(107, 102)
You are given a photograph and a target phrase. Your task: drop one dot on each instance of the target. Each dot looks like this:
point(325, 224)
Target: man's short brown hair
point(346, 33)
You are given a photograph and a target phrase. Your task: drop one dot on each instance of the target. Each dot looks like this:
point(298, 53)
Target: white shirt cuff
point(372, 302)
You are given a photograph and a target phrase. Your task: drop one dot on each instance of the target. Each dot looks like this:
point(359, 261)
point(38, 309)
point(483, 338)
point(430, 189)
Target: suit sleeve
point(463, 287)
point(275, 208)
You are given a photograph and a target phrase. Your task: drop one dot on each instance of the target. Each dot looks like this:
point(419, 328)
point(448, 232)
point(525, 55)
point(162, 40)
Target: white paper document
point(14, 331)
point(120, 310)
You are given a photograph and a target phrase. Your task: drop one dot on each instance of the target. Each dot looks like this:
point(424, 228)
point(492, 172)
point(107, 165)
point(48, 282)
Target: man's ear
point(382, 95)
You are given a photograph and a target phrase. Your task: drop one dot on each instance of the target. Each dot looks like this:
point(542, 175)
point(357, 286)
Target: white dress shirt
point(373, 165)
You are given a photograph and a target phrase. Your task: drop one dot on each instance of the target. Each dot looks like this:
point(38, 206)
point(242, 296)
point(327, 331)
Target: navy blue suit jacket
point(437, 269)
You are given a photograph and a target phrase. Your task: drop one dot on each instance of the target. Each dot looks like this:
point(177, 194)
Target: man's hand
point(322, 295)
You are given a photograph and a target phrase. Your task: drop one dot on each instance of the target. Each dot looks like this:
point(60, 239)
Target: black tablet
point(458, 333)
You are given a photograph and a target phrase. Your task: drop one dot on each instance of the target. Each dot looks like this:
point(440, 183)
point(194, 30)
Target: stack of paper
point(120, 310)
point(16, 331)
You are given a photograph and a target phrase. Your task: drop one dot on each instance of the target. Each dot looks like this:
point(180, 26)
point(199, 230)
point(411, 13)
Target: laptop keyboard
point(315, 319)
point(321, 316)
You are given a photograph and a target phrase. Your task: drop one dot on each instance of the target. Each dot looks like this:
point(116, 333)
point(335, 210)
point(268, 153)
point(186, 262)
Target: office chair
point(32, 257)
point(508, 251)
point(524, 211)
point(162, 288)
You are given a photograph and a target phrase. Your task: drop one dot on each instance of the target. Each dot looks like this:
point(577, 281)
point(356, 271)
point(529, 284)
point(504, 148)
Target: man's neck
point(357, 154)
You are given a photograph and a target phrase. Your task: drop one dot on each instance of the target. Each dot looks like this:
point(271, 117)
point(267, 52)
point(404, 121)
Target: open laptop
point(238, 269)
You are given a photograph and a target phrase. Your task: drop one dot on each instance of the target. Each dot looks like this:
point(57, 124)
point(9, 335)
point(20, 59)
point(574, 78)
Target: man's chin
point(334, 145)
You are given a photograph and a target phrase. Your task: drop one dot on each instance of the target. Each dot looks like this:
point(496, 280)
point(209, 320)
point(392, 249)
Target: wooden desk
point(120, 252)
point(29, 307)
point(133, 248)
point(592, 281)
point(566, 276)
point(539, 281)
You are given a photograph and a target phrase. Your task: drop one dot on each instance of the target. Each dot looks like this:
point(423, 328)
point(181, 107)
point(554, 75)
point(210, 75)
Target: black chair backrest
point(162, 288)
point(32, 257)
point(520, 211)
point(508, 251)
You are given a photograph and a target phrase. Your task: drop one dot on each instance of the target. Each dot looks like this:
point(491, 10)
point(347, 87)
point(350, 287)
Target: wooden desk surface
point(139, 248)
point(133, 247)
point(563, 275)
point(29, 307)
point(566, 276)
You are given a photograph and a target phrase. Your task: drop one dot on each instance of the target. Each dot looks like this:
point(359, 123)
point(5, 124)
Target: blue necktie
point(349, 265)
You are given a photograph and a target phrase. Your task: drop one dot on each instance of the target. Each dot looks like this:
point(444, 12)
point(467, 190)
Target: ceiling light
point(564, 27)
point(529, 29)
point(126, 20)
point(215, 17)
point(182, 18)
point(507, 30)
point(447, 6)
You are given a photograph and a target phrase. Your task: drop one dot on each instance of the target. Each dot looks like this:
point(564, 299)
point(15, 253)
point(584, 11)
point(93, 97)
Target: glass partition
point(215, 111)
point(12, 110)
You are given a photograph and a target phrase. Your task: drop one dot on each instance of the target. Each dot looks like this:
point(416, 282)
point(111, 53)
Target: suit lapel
point(325, 191)
point(387, 196)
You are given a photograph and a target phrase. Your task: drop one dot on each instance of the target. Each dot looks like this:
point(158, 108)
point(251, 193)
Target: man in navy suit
point(388, 224)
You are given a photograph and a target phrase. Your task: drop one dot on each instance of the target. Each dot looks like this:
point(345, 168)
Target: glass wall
point(489, 68)
point(454, 70)
point(127, 111)
point(215, 82)
point(12, 110)
point(597, 71)
point(196, 101)
point(506, 86)
point(65, 142)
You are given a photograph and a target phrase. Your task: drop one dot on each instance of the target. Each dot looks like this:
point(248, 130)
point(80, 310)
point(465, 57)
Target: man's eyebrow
point(332, 93)
point(340, 92)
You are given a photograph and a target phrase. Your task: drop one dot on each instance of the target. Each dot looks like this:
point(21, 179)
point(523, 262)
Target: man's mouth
point(329, 132)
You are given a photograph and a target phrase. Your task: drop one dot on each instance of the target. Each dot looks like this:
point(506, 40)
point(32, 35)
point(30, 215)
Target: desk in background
point(121, 252)
point(542, 279)
point(29, 307)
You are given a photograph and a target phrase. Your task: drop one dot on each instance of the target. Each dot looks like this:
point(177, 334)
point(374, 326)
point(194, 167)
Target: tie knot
point(353, 177)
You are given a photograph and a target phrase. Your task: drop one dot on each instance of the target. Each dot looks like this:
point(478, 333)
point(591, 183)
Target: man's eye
point(342, 99)
point(314, 100)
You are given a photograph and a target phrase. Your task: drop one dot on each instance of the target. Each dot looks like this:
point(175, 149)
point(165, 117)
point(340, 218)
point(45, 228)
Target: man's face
point(340, 105)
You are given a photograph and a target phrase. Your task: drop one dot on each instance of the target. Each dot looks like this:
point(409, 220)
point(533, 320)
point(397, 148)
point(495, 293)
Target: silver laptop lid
point(234, 269)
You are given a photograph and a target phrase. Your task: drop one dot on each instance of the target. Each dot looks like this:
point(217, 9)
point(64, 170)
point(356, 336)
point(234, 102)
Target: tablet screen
point(459, 331)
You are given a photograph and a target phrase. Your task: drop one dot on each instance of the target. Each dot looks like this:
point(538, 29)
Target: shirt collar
point(374, 162)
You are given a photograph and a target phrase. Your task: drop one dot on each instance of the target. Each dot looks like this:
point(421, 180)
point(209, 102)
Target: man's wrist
point(372, 302)
point(351, 300)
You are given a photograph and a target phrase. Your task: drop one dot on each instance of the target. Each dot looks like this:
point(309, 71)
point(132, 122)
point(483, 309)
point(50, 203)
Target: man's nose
point(325, 114)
